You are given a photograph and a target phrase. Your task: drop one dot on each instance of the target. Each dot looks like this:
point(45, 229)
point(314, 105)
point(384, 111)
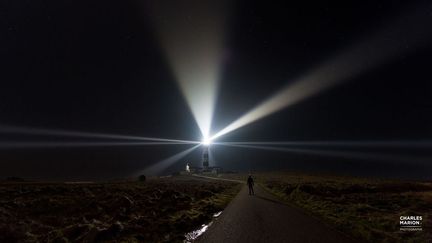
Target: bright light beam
point(348, 143)
point(341, 154)
point(392, 41)
point(53, 145)
point(192, 35)
point(165, 163)
point(51, 132)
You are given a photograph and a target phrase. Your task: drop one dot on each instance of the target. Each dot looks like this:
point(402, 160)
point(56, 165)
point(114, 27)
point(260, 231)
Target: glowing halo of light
point(206, 141)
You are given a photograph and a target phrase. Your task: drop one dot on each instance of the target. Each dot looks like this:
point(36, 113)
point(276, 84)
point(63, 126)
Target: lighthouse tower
point(205, 158)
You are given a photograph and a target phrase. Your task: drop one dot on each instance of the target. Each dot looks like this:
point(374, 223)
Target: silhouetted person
point(250, 183)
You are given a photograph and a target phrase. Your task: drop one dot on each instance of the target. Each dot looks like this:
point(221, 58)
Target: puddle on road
point(217, 214)
point(192, 236)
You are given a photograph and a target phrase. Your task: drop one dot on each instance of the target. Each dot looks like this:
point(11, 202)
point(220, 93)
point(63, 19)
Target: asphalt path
point(263, 218)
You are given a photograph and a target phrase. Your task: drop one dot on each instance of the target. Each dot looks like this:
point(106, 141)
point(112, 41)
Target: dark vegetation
point(159, 210)
point(142, 178)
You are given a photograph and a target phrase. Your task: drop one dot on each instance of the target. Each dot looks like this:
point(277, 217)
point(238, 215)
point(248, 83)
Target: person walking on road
point(250, 183)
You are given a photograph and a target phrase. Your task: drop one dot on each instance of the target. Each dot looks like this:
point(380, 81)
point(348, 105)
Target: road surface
point(263, 218)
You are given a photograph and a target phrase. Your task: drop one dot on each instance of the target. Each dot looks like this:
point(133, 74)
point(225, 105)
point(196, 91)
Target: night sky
point(98, 66)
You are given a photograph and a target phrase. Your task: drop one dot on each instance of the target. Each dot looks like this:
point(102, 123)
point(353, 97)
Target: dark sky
point(98, 66)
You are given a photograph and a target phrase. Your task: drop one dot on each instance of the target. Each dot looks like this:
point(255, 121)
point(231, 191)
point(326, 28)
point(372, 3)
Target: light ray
point(52, 132)
point(340, 154)
point(192, 35)
point(52, 145)
point(349, 143)
point(392, 41)
point(165, 163)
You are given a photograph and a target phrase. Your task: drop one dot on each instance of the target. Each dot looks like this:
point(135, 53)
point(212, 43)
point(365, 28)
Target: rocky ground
point(160, 210)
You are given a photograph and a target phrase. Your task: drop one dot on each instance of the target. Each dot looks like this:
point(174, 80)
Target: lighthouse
point(205, 158)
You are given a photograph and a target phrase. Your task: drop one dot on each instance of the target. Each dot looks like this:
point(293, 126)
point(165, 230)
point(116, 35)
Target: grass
point(160, 210)
point(367, 209)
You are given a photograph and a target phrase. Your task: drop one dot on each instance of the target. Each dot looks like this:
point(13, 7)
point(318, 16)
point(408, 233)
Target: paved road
point(262, 218)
